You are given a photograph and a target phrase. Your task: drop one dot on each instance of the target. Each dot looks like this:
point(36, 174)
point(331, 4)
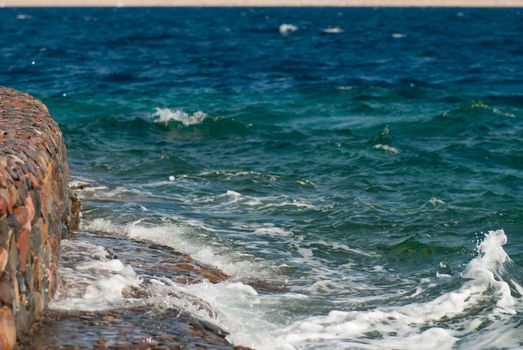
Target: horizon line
point(266, 3)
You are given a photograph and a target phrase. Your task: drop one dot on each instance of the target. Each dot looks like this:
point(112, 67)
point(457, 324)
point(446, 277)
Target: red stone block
point(30, 207)
point(22, 215)
point(7, 329)
point(3, 206)
point(23, 244)
point(34, 182)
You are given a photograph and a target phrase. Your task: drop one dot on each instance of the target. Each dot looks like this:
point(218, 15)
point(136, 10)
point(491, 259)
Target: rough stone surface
point(126, 329)
point(148, 324)
point(35, 211)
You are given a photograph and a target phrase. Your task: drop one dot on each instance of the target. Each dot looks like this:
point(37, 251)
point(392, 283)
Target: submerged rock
point(148, 313)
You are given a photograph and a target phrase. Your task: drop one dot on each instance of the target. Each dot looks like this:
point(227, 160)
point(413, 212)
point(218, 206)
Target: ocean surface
point(365, 166)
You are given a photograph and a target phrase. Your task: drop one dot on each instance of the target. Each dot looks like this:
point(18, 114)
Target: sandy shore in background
point(197, 3)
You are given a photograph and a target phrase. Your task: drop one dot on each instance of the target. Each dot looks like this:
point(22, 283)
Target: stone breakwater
point(36, 211)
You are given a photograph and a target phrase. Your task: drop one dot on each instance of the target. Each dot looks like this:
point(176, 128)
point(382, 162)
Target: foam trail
point(254, 320)
point(348, 328)
point(182, 238)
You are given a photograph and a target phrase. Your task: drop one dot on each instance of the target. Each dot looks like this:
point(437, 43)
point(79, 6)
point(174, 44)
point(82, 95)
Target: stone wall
point(36, 211)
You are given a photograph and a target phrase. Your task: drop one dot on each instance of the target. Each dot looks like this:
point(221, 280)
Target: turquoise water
point(351, 178)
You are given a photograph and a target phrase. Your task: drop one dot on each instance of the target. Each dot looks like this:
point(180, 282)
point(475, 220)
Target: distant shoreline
point(261, 3)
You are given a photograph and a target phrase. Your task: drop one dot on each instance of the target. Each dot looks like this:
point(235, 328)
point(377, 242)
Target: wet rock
point(7, 329)
point(38, 305)
point(157, 260)
point(74, 221)
point(148, 321)
point(6, 290)
point(34, 202)
point(125, 329)
point(5, 233)
point(268, 286)
point(4, 257)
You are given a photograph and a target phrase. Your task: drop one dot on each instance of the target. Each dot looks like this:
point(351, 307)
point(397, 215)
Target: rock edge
point(37, 210)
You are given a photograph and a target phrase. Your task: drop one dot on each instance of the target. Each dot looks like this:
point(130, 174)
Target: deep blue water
point(360, 169)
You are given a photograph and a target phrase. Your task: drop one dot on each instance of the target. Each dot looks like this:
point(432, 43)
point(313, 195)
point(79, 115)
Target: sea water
point(367, 164)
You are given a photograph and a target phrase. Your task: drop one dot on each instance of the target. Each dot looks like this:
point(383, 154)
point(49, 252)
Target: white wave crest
point(333, 30)
point(252, 319)
point(436, 201)
point(398, 35)
point(165, 115)
point(387, 148)
point(287, 28)
point(23, 16)
point(181, 237)
point(412, 326)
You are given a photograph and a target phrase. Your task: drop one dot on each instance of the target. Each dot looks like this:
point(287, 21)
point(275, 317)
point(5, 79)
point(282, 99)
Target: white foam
point(243, 313)
point(230, 175)
point(94, 282)
point(306, 183)
point(165, 115)
point(398, 35)
point(482, 269)
point(435, 201)
point(230, 198)
point(305, 252)
point(287, 28)
point(252, 319)
point(182, 238)
point(387, 148)
point(341, 246)
point(77, 184)
point(343, 328)
point(233, 194)
point(333, 30)
point(272, 231)
point(23, 16)
point(103, 192)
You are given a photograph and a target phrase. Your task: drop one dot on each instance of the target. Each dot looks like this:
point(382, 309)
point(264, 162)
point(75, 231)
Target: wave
point(23, 17)
point(386, 148)
point(123, 134)
point(438, 323)
point(166, 115)
point(240, 174)
point(481, 299)
point(95, 280)
point(231, 199)
point(417, 325)
point(183, 238)
point(179, 124)
point(471, 119)
point(474, 117)
point(475, 107)
point(332, 30)
point(398, 35)
point(286, 28)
